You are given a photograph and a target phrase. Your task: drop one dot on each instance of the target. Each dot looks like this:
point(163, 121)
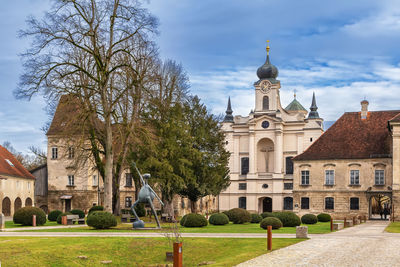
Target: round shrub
point(267, 214)
point(193, 220)
point(24, 216)
point(274, 222)
point(256, 218)
point(62, 214)
point(229, 214)
point(95, 208)
point(101, 220)
point(309, 219)
point(78, 212)
point(218, 219)
point(140, 211)
point(288, 218)
point(324, 217)
point(239, 216)
point(54, 215)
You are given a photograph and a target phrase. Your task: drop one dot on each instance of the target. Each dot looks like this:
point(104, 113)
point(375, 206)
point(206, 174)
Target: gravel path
point(363, 245)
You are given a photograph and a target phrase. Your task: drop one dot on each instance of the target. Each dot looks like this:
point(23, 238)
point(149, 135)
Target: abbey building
point(263, 144)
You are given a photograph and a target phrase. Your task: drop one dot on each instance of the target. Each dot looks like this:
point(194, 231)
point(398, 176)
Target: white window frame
point(381, 179)
point(71, 180)
point(54, 152)
point(306, 177)
point(354, 179)
point(329, 177)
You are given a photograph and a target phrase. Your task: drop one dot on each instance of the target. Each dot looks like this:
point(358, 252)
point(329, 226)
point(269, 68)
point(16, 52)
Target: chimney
point(364, 109)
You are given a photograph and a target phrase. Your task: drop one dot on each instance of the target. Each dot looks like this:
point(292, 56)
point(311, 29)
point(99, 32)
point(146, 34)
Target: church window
point(329, 177)
point(242, 186)
point(242, 202)
point(329, 203)
point(128, 179)
point(379, 177)
point(354, 177)
point(354, 203)
point(244, 165)
point(265, 103)
point(288, 203)
point(305, 203)
point(289, 165)
point(305, 177)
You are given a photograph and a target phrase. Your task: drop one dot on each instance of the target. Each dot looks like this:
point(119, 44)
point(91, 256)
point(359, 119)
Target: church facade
point(263, 144)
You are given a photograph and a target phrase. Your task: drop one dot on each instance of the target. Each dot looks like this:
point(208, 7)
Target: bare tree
point(84, 48)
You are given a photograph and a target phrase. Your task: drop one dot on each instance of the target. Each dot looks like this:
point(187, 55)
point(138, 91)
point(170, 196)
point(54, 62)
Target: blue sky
point(344, 51)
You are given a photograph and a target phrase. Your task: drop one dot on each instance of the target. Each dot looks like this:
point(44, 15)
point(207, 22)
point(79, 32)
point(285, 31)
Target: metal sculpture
point(146, 196)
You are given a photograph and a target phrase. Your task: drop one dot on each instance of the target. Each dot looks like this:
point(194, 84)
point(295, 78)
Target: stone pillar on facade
point(396, 171)
point(278, 152)
point(252, 153)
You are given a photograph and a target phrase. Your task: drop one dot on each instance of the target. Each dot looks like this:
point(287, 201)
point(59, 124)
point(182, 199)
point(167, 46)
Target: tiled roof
point(396, 118)
point(9, 165)
point(350, 137)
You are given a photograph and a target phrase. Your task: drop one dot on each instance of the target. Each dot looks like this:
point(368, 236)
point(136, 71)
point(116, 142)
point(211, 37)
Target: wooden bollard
point(178, 254)
point(64, 220)
point(331, 224)
point(33, 220)
point(354, 221)
point(269, 237)
point(344, 223)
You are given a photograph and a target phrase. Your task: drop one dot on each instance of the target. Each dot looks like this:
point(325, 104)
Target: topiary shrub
point(218, 219)
point(54, 215)
point(95, 208)
point(309, 219)
point(193, 220)
point(324, 217)
point(229, 214)
point(274, 222)
point(239, 216)
point(267, 214)
point(101, 220)
point(139, 208)
point(288, 218)
point(256, 218)
point(62, 214)
point(24, 216)
point(78, 212)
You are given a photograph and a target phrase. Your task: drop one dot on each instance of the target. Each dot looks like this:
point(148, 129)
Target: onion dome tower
point(267, 71)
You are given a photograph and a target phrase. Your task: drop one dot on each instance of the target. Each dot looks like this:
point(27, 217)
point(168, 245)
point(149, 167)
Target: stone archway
point(265, 155)
point(379, 204)
point(6, 207)
point(17, 204)
point(28, 202)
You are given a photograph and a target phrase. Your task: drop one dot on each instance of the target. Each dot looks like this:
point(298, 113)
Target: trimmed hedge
point(193, 220)
point(267, 214)
point(228, 213)
point(24, 216)
point(101, 220)
point(288, 218)
point(256, 218)
point(62, 214)
point(78, 212)
point(95, 208)
point(54, 215)
point(218, 219)
point(309, 219)
point(273, 221)
point(324, 217)
point(239, 216)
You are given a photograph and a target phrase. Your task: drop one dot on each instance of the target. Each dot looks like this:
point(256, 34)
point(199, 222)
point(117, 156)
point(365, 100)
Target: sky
point(344, 51)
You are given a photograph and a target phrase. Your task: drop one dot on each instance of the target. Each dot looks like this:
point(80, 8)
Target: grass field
point(125, 251)
point(318, 228)
point(393, 227)
point(10, 224)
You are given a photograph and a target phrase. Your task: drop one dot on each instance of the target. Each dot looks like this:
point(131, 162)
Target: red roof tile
point(7, 169)
point(351, 137)
point(396, 118)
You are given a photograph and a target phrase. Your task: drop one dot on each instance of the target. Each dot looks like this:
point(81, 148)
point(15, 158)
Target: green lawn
point(393, 227)
point(125, 251)
point(318, 228)
point(10, 224)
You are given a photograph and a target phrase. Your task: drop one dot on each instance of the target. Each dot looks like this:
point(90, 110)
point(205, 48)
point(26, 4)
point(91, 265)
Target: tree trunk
point(168, 207)
point(116, 197)
point(108, 168)
point(193, 206)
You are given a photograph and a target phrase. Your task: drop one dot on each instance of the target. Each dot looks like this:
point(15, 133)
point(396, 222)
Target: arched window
point(288, 203)
point(242, 202)
point(28, 202)
point(17, 204)
point(265, 103)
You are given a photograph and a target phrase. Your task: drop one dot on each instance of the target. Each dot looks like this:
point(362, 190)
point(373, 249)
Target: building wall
point(15, 188)
point(342, 190)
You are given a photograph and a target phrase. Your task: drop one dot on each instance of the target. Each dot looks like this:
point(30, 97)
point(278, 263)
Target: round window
point(265, 124)
point(264, 186)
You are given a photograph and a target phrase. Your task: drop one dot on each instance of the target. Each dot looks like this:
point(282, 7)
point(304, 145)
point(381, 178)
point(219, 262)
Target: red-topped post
point(269, 237)
point(178, 255)
point(34, 220)
point(331, 224)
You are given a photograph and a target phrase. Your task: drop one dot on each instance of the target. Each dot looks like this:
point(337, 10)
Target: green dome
point(295, 106)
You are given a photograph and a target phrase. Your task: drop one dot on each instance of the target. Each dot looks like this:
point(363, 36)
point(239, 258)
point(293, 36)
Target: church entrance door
point(267, 204)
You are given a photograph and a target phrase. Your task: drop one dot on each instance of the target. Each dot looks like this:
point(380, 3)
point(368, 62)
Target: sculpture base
point(138, 224)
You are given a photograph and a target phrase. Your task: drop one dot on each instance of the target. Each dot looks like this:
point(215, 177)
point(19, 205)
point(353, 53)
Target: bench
point(125, 217)
point(71, 219)
point(338, 226)
point(166, 218)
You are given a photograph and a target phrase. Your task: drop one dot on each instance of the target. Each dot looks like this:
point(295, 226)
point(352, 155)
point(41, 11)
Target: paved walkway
point(363, 245)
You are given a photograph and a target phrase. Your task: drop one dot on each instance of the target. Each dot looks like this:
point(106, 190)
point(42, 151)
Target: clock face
point(265, 87)
point(265, 124)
